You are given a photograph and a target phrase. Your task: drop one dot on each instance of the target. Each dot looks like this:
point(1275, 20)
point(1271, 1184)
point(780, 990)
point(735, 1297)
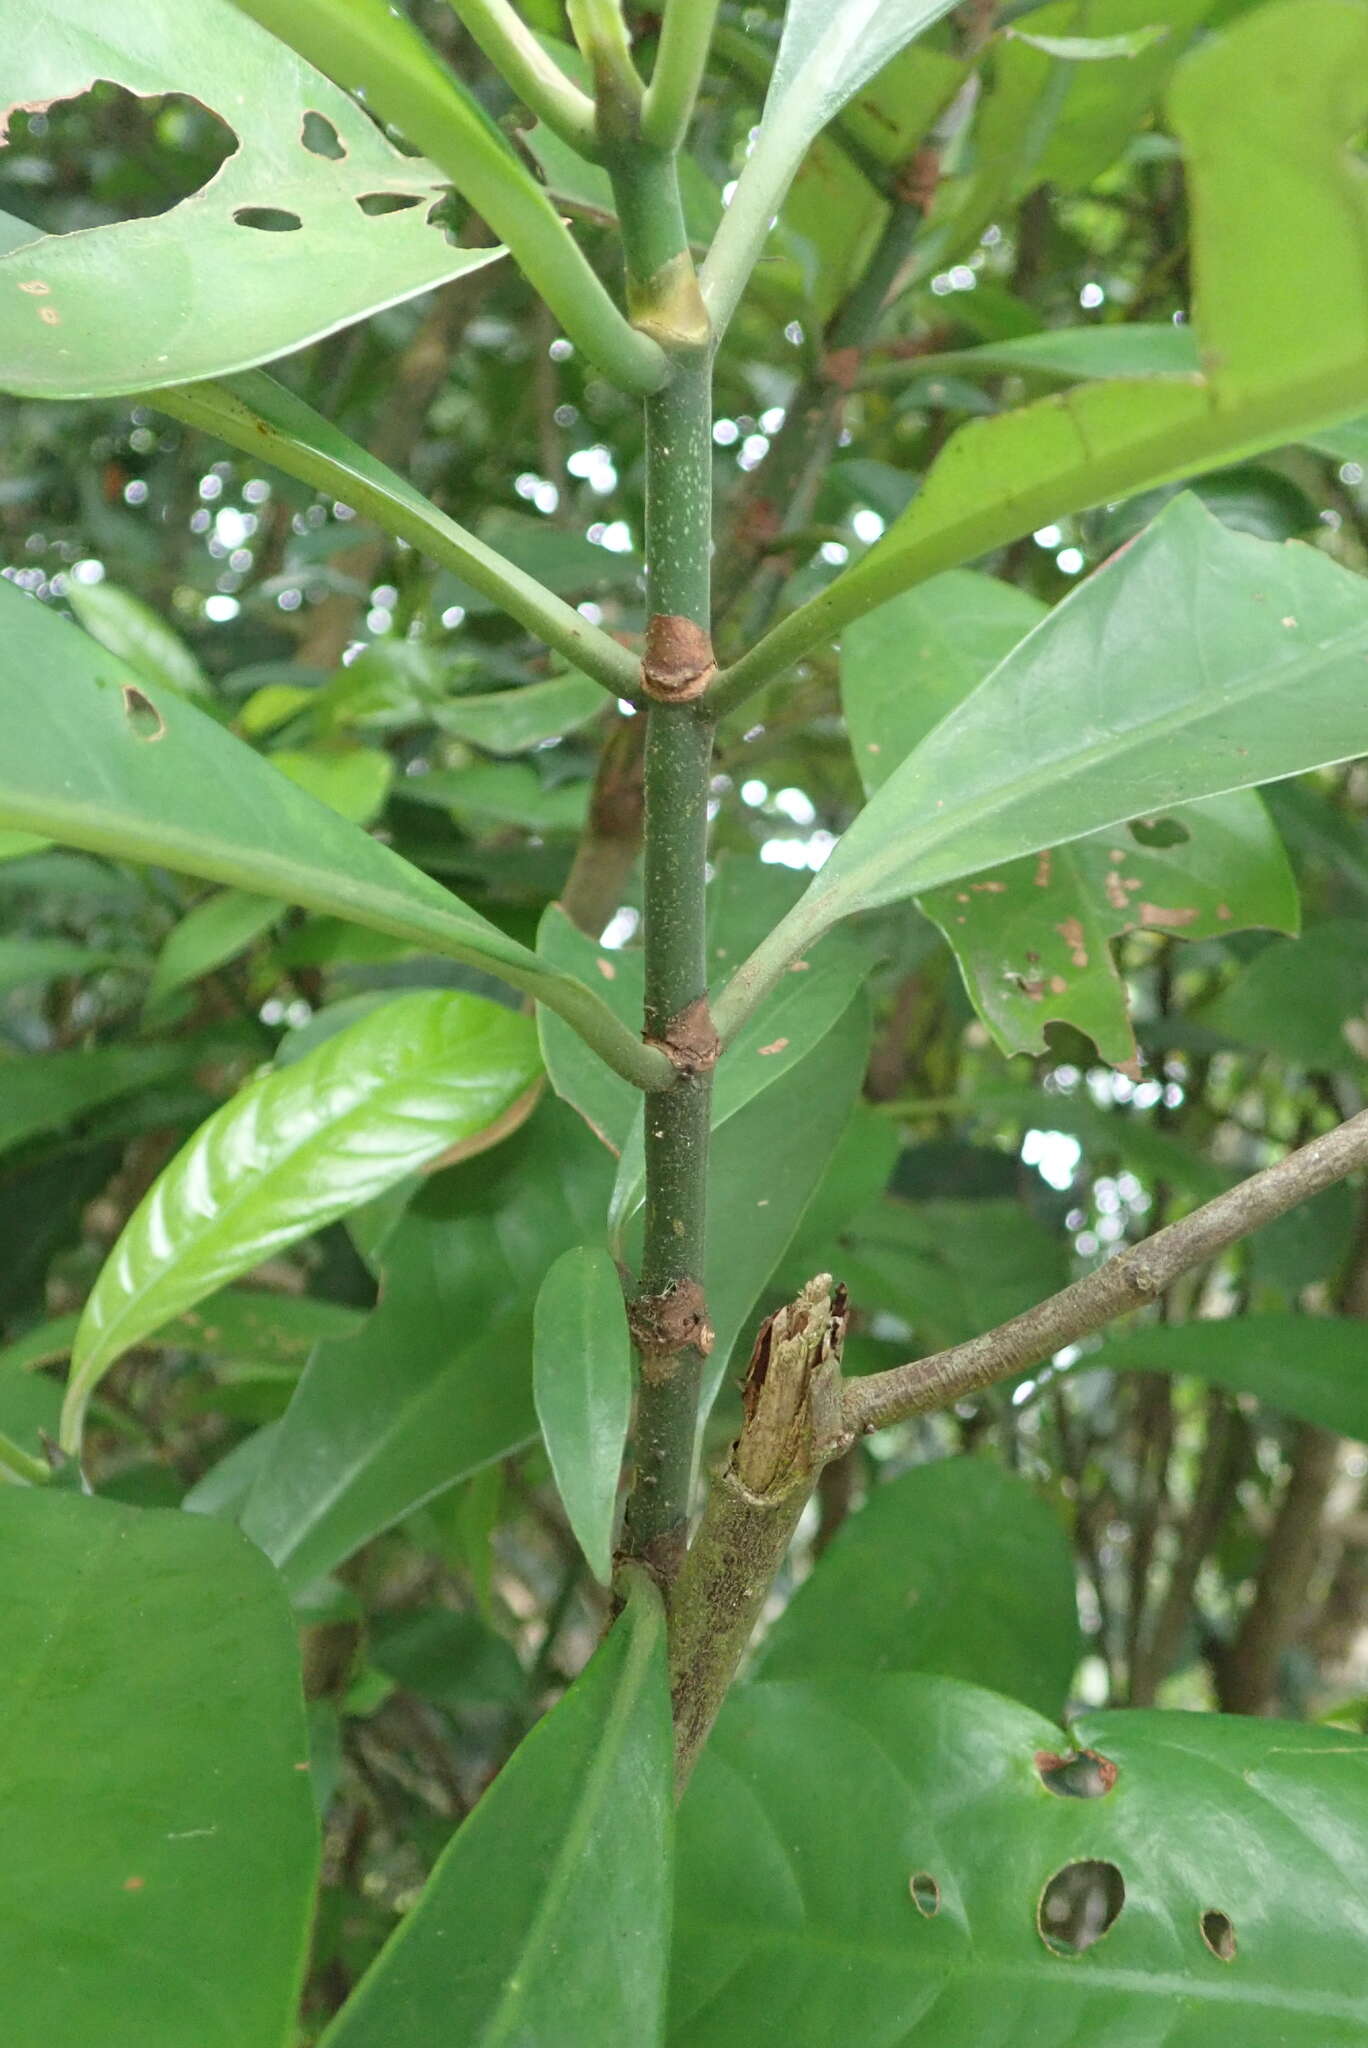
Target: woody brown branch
point(1124, 1283)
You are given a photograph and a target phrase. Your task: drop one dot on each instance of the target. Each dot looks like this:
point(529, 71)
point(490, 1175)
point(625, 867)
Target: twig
point(1124, 1283)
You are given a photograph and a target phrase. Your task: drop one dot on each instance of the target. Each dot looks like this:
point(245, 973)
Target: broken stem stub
point(792, 1428)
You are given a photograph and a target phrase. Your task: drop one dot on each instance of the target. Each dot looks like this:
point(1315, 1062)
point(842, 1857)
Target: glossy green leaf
point(1306, 1000)
point(909, 664)
point(132, 630)
point(1280, 225)
point(367, 47)
point(1307, 1366)
point(47, 1091)
point(582, 1385)
point(214, 932)
point(766, 1164)
point(438, 1383)
point(1081, 354)
point(1091, 49)
point(514, 721)
point(1198, 661)
point(158, 1821)
point(353, 782)
point(547, 1918)
point(605, 1102)
point(1033, 938)
point(502, 793)
point(91, 757)
point(863, 1860)
point(825, 55)
point(956, 1568)
point(295, 1150)
point(209, 287)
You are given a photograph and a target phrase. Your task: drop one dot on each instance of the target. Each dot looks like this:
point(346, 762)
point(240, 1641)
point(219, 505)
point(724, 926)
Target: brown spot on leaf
point(1157, 913)
point(37, 287)
point(606, 968)
point(1043, 866)
point(134, 1884)
point(1224, 912)
point(989, 888)
point(1071, 931)
point(779, 1045)
point(1114, 889)
point(1058, 985)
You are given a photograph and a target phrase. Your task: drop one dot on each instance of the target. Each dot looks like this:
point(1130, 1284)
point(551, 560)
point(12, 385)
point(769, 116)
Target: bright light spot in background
point(542, 494)
point(804, 854)
point(453, 616)
point(793, 334)
point(1048, 536)
point(1069, 561)
point(220, 609)
point(256, 490)
point(211, 487)
point(868, 525)
point(794, 804)
point(616, 537)
point(595, 465)
point(1351, 473)
point(1054, 1154)
point(754, 792)
point(729, 192)
point(962, 278)
point(772, 419)
point(835, 552)
point(725, 432)
point(561, 350)
point(87, 572)
point(135, 492)
point(622, 926)
point(233, 527)
point(627, 710)
point(1091, 295)
point(753, 451)
point(591, 611)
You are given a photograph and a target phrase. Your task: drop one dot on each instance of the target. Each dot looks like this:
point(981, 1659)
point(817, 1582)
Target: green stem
point(685, 39)
point(601, 31)
point(678, 763)
point(17, 1465)
point(253, 412)
point(363, 44)
point(534, 76)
